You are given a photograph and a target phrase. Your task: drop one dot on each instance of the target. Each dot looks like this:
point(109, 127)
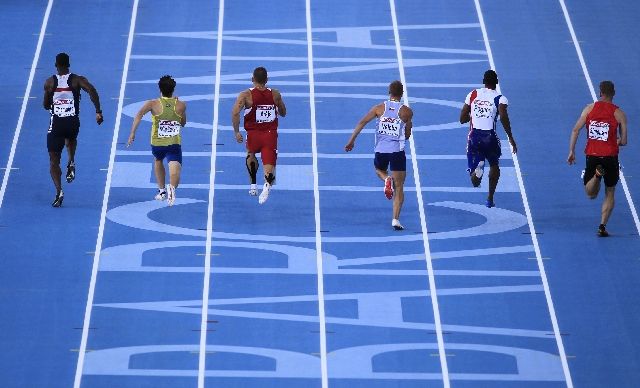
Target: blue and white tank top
point(390, 129)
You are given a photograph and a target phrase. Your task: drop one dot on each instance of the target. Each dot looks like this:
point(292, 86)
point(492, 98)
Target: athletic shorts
point(482, 145)
point(396, 161)
point(265, 143)
point(610, 165)
point(172, 152)
point(61, 128)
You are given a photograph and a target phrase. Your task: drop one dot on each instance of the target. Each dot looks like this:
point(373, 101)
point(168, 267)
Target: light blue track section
point(263, 310)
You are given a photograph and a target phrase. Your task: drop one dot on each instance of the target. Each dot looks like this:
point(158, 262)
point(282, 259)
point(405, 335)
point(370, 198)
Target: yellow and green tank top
point(165, 127)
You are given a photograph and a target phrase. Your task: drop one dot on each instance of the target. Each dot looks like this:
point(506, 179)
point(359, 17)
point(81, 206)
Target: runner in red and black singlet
point(604, 122)
point(261, 106)
point(62, 99)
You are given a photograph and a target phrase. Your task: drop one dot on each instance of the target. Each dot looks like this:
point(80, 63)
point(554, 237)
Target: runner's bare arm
point(622, 119)
point(407, 117)
point(136, 120)
point(372, 114)
point(464, 114)
point(48, 93)
point(506, 124)
point(277, 98)
point(239, 105)
point(181, 109)
point(93, 95)
point(571, 159)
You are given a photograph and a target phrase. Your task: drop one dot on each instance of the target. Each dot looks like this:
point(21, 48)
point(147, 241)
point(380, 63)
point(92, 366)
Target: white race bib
point(168, 128)
point(64, 107)
point(389, 126)
point(482, 109)
point(598, 130)
point(265, 113)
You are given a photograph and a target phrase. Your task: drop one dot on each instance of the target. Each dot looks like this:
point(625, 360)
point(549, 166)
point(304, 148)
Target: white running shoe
point(253, 190)
point(264, 195)
point(479, 170)
point(171, 195)
point(396, 224)
point(162, 195)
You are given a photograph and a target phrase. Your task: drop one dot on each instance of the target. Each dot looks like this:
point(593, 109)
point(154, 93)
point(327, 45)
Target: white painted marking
point(25, 100)
point(423, 220)
point(316, 202)
point(532, 229)
point(212, 180)
point(105, 202)
point(587, 77)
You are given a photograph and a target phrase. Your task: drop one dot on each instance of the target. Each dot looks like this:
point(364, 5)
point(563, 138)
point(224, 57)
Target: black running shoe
point(57, 202)
point(71, 172)
point(602, 231)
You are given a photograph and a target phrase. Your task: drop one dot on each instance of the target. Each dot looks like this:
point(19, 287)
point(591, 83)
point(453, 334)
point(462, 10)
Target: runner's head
point(62, 61)
point(607, 89)
point(259, 76)
point(396, 89)
point(166, 85)
point(490, 79)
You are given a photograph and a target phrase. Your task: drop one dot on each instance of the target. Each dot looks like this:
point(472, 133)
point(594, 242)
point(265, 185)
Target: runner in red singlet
point(602, 120)
point(261, 106)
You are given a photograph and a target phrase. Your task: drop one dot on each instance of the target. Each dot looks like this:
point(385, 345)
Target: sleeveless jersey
point(484, 108)
point(165, 127)
point(390, 129)
point(263, 114)
point(602, 130)
point(65, 100)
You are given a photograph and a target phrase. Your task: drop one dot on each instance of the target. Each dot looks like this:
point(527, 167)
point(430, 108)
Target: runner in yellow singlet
point(169, 115)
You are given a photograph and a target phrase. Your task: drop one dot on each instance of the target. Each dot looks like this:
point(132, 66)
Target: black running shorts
point(610, 165)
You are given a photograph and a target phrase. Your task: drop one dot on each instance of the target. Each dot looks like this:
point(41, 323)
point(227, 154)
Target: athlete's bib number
point(168, 128)
point(483, 109)
point(389, 126)
point(64, 107)
point(598, 130)
point(265, 113)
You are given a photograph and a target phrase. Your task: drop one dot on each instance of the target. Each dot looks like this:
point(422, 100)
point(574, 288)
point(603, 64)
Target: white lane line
point(532, 229)
point(423, 220)
point(105, 202)
point(25, 101)
point(316, 197)
point(587, 77)
point(212, 180)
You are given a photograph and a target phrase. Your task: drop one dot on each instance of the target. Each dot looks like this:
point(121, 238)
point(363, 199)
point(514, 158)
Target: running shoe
point(162, 195)
point(490, 203)
point(71, 172)
point(396, 225)
point(171, 195)
point(602, 231)
point(57, 202)
point(264, 195)
point(476, 175)
point(388, 187)
point(253, 190)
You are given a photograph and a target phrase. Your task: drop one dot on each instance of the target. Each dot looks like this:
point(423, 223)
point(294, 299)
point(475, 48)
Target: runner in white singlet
point(62, 100)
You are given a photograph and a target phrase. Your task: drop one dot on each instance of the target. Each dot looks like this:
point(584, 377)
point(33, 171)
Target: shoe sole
point(71, 176)
point(398, 227)
point(263, 198)
point(58, 202)
point(388, 188)
point(171, 195)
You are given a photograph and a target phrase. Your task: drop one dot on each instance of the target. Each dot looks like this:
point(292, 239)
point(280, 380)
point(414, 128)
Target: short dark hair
point(260, 75)
point(490, 78)
point(607, 88)
point(166, 85)
point(62, 60)
point(396, 89)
